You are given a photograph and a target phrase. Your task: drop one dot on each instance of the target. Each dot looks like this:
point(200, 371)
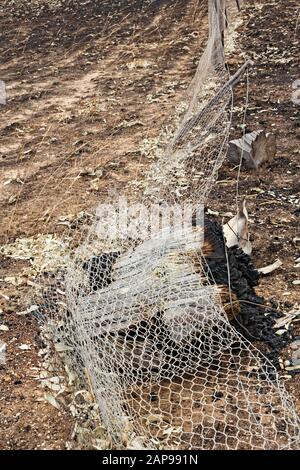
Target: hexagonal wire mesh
point(145, 318)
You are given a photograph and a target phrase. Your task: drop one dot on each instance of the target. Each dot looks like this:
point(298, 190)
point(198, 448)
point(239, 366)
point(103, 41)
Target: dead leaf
point(60, 347)
point(43, 251)
point(2, 353)
point(25, 347)
point(286, 320)
point(12, 199)
point(14, 280)
point(32, 308)
point(6, 297)
point(50, 399)
point(236, 230)
point(95, 184)
point(296, 241)
point(271, 267)
point(154, 418)
point(293, 367)
point(280, 332)
point(169, 431)
point(136, 444)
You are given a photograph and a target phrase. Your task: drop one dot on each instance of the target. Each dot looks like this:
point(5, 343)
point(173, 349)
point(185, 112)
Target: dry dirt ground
point(85, 85)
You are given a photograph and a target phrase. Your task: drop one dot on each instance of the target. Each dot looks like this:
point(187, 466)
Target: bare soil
point(85, 86)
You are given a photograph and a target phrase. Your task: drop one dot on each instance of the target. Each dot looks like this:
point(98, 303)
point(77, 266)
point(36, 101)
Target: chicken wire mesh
point(145, 318)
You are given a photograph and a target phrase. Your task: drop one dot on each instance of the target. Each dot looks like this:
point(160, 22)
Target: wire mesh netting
point(146, 318)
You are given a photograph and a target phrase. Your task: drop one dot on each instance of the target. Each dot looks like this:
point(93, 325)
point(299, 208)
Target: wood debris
point(253, 149)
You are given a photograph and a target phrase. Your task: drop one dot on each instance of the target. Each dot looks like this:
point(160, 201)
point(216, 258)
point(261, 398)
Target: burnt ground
point(270, 38)
point(85, 86)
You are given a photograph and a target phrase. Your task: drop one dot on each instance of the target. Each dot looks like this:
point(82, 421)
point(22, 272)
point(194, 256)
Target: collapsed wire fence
point(145, 321)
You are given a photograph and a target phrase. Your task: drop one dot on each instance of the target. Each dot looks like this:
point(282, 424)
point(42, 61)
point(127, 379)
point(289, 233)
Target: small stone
point(287, 362)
